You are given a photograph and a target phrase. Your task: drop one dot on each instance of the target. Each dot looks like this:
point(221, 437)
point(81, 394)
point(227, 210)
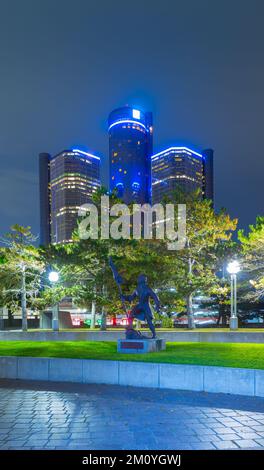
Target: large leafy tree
point(194, 268)
point(176, 275)
point(84, 268)
point(253, 257)
point(20, 270)
point(85, 264)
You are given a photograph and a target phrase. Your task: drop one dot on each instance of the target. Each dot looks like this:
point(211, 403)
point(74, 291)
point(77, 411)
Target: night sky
point(197, 64)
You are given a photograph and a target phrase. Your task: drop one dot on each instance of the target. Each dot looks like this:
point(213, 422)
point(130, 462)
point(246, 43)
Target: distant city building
point(208, 156)
point(67, 181)
point(130, 149)
point(181, 167)
point(44, 198)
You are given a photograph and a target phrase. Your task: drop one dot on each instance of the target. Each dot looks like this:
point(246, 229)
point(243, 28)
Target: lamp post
point(233, 268)
point(53, 278)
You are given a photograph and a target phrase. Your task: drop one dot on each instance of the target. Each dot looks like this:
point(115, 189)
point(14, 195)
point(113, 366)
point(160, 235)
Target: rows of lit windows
point(175, 177)
point(74, 179)
point(80, 186)
point(138, 128)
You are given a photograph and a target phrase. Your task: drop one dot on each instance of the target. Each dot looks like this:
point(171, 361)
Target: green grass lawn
point(212, 354)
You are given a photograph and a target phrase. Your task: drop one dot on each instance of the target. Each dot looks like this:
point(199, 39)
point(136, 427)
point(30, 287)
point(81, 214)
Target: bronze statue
point(142, 310)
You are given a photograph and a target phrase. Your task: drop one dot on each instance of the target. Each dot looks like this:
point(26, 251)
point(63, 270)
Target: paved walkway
point(41, 415)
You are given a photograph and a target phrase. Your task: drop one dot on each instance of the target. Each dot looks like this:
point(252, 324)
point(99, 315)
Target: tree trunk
point(24, 300)
point(40, 320)
point(93, 314)
point(10, 319)
point(103, 324)
point(1, 318)
point(189, 299)
point(191, 324)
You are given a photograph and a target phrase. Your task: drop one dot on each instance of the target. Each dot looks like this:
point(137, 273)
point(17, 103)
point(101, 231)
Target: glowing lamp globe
point(53, 276)
point(233, 267)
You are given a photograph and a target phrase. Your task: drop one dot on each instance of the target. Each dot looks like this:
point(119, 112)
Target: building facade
point(184, 168)
point(74, 176)
point(130, 149)
point(44, 198)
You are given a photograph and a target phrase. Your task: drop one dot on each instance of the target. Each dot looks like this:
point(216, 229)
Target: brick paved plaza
point(40, 415)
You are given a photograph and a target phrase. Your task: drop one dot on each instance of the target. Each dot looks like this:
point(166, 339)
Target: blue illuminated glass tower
point(130, 149)
point(184, 168)
point(67, 180)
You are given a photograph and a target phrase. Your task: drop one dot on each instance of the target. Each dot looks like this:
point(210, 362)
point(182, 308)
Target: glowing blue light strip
point(176, 149)
point(127, 121)
point(86, 154)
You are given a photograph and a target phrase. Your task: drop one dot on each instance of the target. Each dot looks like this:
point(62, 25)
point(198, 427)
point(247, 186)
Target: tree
point(253, 259)
point(194, 268)
point(20, 270)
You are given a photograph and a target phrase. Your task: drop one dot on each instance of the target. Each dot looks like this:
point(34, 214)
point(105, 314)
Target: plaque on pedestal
point(136, 346)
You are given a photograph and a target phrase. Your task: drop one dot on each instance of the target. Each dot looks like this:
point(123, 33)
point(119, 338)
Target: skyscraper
point(130, 149)
point(73, 177)
point(44, 198)
point(180, 166)
point(208, 156)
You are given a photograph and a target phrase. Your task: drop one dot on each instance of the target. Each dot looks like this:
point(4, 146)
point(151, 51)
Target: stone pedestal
point(136, 346)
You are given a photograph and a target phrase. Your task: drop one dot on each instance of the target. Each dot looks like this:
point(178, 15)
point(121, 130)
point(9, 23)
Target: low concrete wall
point(173, 336)
point(137, 374)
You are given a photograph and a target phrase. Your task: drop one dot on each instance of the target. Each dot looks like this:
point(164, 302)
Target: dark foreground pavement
point(41, 415)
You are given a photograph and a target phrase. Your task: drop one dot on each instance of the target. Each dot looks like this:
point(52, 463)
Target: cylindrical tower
point(130, 149)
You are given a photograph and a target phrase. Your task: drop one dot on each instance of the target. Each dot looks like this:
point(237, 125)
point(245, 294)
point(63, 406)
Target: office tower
point(44, 198)
point(130, 149)
point(181, 167)
point(74, 176)
point(208, 156)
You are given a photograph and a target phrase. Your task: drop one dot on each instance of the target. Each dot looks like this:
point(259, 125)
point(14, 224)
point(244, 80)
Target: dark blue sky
point(197, 64)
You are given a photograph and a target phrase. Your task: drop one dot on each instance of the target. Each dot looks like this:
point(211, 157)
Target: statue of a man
point(142, 311)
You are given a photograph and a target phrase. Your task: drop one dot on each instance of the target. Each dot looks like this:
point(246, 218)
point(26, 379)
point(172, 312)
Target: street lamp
point(233, 268)
point(53, 278)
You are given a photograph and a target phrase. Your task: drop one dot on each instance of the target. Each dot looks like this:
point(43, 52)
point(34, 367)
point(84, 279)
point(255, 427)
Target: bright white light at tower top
point(136, 114)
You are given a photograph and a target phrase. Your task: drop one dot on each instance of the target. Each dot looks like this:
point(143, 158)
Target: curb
point(249, 382)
